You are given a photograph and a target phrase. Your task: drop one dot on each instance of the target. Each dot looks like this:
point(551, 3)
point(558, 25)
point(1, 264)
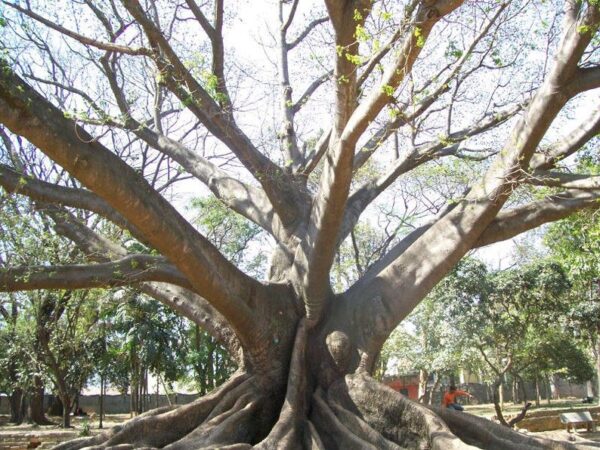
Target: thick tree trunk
point(423, 378)
point(16, 406)
point(66, 415)
point(36, 403)
point(537, 391)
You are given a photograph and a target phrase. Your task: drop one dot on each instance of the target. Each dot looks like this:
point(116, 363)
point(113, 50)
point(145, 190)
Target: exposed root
point(333, 432)
point(311, 438)
point(159, 427)
point(229, 428)
point(356, 412)
point(94, 442)
point(489, 435)
point(361, 428)
point(396, 418)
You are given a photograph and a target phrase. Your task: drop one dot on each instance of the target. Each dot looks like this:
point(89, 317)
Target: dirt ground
point(14, 437)
point(17, 437)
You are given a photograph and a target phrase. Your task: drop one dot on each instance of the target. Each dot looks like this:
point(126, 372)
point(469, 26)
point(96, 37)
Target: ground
point(18, 437)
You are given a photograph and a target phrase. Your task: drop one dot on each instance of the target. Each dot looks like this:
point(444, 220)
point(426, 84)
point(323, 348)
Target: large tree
point(125, 98)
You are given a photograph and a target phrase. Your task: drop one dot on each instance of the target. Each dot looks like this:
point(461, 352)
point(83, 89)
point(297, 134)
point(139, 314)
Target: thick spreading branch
point(26, 113)
point(512, 222)
point(249, 201)
point(15, 182)
point(586, 130)
point(187, 303)
point(129, 270)
point(448, 146)
point(437, 250)
point(404, 117)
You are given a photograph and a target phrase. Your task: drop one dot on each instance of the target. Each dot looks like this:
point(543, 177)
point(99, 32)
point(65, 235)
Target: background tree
point(507, 320)
point(104, 119)
point(574, 242)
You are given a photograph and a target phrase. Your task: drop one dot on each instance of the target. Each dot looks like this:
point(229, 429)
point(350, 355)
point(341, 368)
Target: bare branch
point(426, 17)
point(311, 26)
point(440, 247)
point(310, 90)
point(564, 180)
point(278, 187)
point(447, 146)
point(42, 191)
point(94, 246)
point(80, 38)
point(201, 18)
point(290, 18)
point(586, 130)
point(403, 117)
point(512, 222)
point(130, 270)
point(98, 248)
point(320, 150)
point(287, 134)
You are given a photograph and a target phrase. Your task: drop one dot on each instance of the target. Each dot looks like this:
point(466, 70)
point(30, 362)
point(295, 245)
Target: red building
point(407, 385)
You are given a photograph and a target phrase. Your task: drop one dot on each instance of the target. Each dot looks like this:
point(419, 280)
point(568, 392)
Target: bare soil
point(17, 437)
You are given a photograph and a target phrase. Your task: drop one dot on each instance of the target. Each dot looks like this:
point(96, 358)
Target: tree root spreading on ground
point(354, 412)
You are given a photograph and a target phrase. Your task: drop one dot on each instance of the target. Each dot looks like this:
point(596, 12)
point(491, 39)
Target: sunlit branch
point(249, 201)
point(13, 181)
point(587, 129)
point(425, 18)
point(448, 146)
point(403, 116)
point(564, 180)
point(124, 272)
point(310, 90)
point(80, 38)
point(512, 222)
point(100, 249)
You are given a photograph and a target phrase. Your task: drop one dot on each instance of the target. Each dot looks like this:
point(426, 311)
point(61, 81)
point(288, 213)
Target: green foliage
point(231, 233)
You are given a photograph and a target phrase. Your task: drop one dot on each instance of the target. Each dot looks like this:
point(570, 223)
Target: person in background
point(449, 399)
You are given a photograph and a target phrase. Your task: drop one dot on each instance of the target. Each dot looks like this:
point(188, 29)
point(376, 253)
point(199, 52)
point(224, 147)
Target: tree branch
point(417, 110)
point(15, 182)
point(277, 185)
point(438, 249)
point(80, 38)
point(311, 26)
point(310, 90)
point(584, 132)
point(98, 248)
point(564, 180)
point(587, 78)
point(425, 18)
point(130, 270)
point(26, 113)
point(512, 222)
point(447, 146)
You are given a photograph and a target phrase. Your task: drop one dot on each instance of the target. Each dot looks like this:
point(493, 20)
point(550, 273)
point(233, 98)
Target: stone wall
point(113, 404)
